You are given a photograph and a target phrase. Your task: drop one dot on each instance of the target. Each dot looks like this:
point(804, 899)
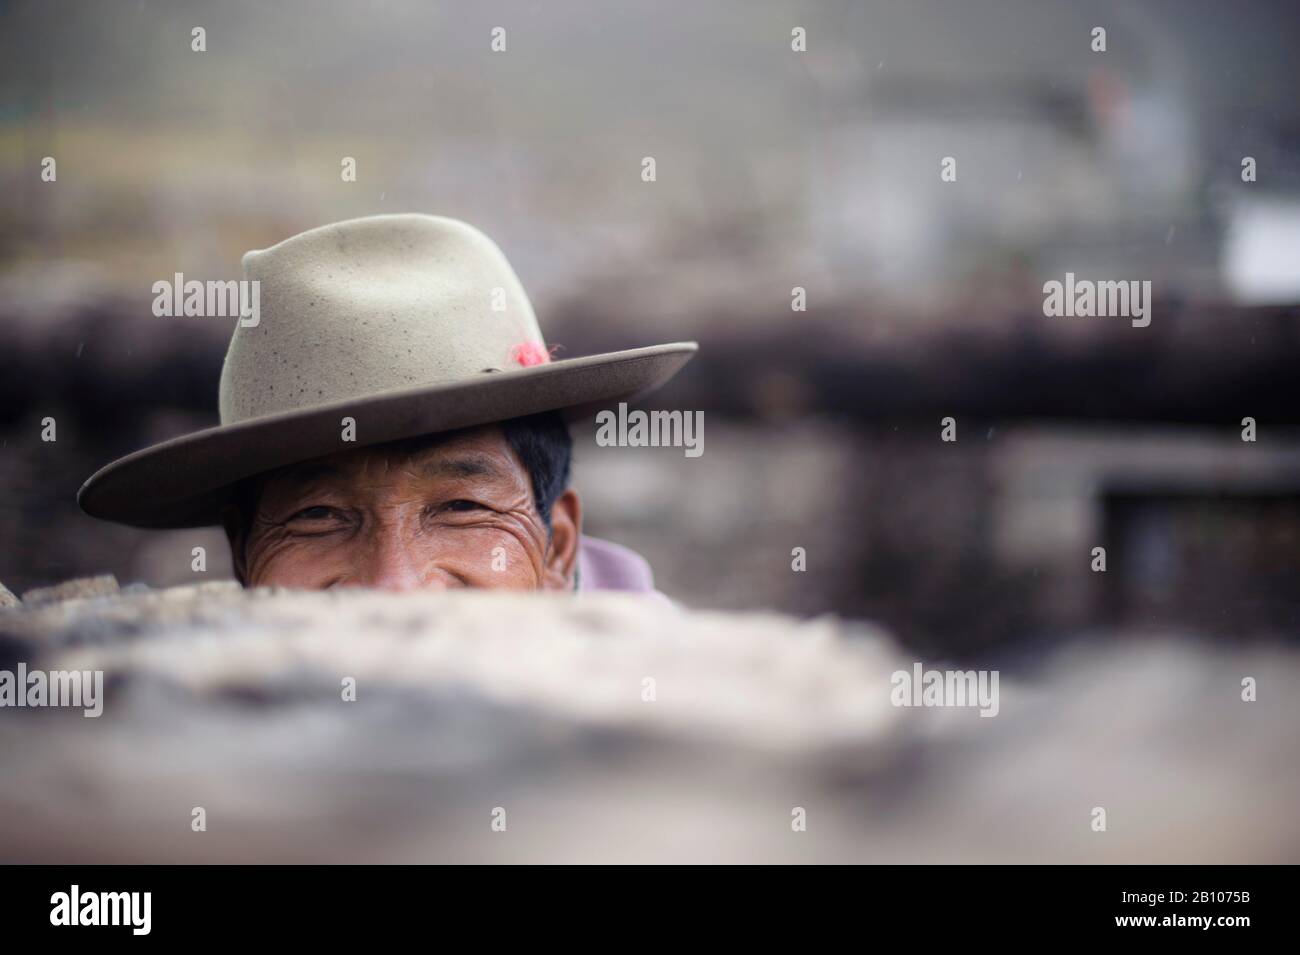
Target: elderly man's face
point(455, 513)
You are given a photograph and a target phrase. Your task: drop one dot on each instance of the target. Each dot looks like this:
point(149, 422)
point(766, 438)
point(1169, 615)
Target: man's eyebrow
point(462, 466)
point(465, 465)
point(310, 471)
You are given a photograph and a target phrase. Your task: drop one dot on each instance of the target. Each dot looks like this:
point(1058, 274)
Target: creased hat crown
point(373, 305)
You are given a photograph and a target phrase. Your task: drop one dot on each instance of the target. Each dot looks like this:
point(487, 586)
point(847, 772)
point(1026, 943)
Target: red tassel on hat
point(528, 354)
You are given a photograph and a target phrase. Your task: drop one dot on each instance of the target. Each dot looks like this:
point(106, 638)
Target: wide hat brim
point(187, 481)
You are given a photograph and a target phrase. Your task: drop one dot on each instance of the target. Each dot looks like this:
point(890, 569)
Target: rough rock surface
point(472, 703)
point(100, 586)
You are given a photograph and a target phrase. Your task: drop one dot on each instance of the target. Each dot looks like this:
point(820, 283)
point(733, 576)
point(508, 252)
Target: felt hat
point(367, 331)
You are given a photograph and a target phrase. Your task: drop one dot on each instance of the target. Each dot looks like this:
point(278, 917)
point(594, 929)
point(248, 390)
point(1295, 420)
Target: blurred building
point(775, 170)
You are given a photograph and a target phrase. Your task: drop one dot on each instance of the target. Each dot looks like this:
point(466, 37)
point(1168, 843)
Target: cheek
point(484, 557)
point(303, 564)
point(494, 556)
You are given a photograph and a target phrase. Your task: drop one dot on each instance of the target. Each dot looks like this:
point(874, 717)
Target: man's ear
point(562, 554)
point(233, 522)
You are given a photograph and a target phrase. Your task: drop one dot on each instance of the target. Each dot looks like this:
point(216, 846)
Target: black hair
point(545, 447)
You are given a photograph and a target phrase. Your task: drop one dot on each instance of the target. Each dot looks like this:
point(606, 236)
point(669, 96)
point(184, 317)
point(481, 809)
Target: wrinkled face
point(458, 512)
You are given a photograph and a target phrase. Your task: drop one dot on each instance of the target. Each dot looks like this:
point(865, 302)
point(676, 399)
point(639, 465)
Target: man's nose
point(391, 564)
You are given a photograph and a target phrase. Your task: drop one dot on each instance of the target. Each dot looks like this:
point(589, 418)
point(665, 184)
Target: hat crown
point(385, 303)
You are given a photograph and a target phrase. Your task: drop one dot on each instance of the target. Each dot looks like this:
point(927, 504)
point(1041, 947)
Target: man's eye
point(318, 512)
point(462, 505)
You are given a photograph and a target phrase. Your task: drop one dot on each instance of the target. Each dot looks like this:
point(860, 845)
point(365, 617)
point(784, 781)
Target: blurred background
point(775, 169)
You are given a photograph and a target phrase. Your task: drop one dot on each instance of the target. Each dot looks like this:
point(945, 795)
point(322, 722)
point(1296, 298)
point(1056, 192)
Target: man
point(391, 418)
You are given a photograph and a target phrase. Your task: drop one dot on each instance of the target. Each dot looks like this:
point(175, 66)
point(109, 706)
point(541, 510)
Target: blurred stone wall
point(614, 729)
